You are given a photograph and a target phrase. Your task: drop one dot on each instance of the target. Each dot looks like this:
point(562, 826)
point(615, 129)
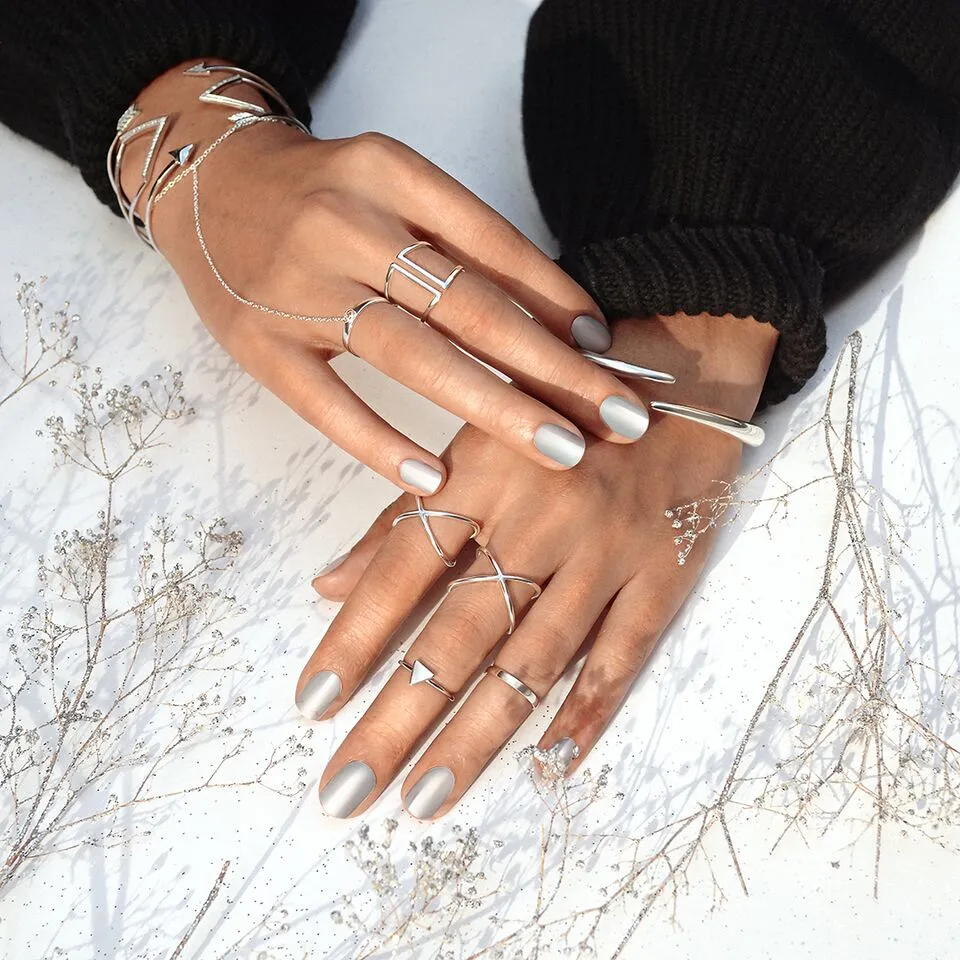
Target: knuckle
point(369, 153)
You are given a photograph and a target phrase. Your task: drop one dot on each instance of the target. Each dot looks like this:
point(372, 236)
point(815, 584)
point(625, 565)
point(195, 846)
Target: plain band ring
point(350, 318)
point(424, 515)
point(515, 682)
point(501, 578)
point(421, 276)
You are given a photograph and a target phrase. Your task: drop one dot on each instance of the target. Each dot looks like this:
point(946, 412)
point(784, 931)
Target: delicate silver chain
point(193, 170)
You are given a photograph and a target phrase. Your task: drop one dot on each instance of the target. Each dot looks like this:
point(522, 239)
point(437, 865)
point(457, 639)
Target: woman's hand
point(309, 227)
point(597, 540)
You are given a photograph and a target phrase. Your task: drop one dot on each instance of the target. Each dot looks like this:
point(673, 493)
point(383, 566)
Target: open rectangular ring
point(423, 515)
point(501, 578)
point(421, 276)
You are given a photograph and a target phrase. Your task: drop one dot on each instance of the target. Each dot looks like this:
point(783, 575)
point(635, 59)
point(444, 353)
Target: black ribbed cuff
point(109, 60)
point(743, 271)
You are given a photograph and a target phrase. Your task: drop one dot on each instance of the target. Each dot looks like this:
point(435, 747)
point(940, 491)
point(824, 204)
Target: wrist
point(720, 363)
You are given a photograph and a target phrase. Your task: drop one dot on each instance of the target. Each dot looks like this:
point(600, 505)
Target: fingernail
point(553, 761)
point(333, 564)
point(348, 789)
point(318, 693)
point(623, 417)
point(421, 475)
point(563, 446)
point(429, 793)
point(591, 334)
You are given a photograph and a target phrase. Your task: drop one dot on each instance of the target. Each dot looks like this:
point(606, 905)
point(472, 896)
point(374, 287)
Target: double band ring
point(421, 276)
point(423, 515)
point(350, 318)
point(421, 673)
point(501, 578)
point(515, 682)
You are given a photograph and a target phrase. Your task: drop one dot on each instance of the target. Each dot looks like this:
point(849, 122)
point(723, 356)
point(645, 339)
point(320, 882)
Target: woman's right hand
point(309, 227)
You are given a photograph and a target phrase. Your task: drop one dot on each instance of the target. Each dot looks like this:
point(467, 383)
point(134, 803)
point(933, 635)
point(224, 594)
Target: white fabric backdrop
point(444, 76)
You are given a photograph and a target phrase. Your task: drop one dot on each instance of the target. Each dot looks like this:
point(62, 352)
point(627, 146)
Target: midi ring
point(350, 318)
point(512, 681)
point(501, 578)
point(421, 673)
point(424, 515)
point(421, 276)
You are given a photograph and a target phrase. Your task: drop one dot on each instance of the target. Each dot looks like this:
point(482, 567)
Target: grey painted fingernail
point(591, 334)
point(318, 693)
point(421, 475)
point(624, 417)
point(333, 564)
point(565, 751)
point(563, 446)
point(429, 792)
point(348, 789)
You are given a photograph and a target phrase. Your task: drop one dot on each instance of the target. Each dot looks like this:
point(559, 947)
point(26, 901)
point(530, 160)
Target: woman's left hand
point(595, 538)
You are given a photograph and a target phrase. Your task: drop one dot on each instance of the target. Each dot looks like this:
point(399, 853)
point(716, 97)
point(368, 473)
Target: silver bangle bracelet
point(742, 430)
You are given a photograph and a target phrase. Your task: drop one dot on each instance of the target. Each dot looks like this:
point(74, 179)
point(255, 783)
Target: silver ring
point(423, 278)
point(421, 673)
point(511, 681)
point(350, 318)
point(423, 515)
point(503, 579)
point(742, 430)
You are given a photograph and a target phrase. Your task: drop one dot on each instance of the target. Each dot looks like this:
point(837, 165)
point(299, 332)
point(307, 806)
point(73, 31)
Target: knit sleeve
point(751, 157)
point(68, 70)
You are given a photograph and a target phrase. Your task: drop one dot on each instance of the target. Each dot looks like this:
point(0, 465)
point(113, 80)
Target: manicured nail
point(566, 751)
point(623, 417)
point(591, 334)
point(563, 446)
point(421, 475)
point(429, 793)
point(333, 564)
point(348, 789)
point(318, 693)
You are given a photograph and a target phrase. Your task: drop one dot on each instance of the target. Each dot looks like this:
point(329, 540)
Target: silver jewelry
point(423, 278)
point(350, 317)
point(421, 673)
point(424, 515)
point(742, 430)
point(626, 369)
point(511, 681)
point(501, 578)
point(238, 75)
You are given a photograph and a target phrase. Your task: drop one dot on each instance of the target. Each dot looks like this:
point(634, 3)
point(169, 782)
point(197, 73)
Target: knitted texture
point(751, 157)
point(90, 58)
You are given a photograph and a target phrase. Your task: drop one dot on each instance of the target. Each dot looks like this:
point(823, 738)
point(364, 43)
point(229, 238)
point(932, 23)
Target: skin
point(310, 226)
point(596, 537)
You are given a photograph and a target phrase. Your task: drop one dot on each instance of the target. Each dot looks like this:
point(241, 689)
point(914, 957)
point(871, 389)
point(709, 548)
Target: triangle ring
point(421, 673)
point(423, 515)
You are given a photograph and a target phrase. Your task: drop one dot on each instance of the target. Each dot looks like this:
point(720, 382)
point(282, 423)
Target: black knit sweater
point(750, 157)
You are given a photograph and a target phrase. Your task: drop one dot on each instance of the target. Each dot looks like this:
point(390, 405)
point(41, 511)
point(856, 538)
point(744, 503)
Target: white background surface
point(445, 77)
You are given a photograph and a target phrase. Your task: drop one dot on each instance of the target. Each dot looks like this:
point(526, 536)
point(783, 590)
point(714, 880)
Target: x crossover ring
point(511, 681)
point(423, 515)
point(350, 318)
point(423, 278)
point(501, 578)
point(421, 673)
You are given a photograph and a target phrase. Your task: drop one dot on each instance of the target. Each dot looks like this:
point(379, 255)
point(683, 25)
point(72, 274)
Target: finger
point(460, 635)
point(474, 234)
point(477, 315)
point(395, 580)
point(537, 654)
point(310, 387)
point(628, 637)
point(338, 577)
point(427, 362)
